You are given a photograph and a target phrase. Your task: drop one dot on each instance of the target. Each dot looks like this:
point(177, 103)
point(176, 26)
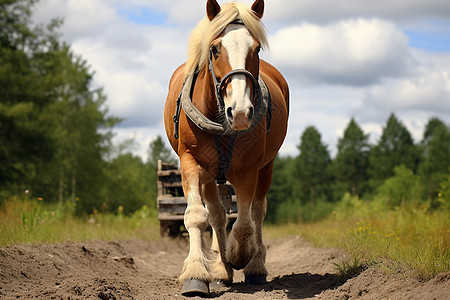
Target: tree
point(282, 187)
point(351, 163)
point(312, 168)
point(158, 151)
point(400, 189)
point(24, 138)
point(54, 128)
point(435, 164)
point(396, 147)
point(81, 131)
point(127, 185)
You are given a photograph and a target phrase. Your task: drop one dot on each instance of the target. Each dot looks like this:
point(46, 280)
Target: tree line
point(313, 179)
point(55, 130)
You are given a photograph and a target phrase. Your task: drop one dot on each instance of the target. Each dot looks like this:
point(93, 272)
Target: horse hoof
point(255, 279)
point(195, 287)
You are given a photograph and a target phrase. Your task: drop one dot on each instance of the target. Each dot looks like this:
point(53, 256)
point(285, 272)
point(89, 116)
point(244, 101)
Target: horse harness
point(263, 107)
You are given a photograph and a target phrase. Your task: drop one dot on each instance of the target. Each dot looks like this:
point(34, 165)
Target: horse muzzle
point(240, 119)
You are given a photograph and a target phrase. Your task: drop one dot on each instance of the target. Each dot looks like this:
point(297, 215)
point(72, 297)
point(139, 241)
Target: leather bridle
point(219, 85)
point(223, 82)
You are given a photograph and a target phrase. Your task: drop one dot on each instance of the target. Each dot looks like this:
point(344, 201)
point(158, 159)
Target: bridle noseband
point(220, 85)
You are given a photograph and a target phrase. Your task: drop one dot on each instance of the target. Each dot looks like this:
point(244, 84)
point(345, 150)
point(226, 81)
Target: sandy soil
point(148, 270)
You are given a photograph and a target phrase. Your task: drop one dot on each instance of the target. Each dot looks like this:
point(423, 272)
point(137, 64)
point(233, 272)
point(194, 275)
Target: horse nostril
point(230, 113)
point(250, 113)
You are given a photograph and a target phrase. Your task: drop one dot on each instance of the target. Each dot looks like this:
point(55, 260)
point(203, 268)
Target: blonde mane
point(206, 31)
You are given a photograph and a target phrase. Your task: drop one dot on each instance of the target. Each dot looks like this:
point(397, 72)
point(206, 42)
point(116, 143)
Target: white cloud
point(427, 91)
point(414, 100)
point(81, 17)
point(142, 138)
point(322, 11)
point(134, 76)
point(351, 52)
point(86, 15)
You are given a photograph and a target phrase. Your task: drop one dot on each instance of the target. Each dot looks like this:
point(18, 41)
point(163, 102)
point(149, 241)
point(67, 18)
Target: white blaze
point(237, 41)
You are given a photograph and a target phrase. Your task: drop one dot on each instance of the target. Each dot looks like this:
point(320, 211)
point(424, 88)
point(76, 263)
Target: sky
point(342, 59)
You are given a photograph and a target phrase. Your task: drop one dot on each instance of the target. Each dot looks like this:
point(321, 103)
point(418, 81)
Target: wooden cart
point(171, 202)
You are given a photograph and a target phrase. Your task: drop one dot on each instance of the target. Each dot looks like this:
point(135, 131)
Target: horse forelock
point(206, 31)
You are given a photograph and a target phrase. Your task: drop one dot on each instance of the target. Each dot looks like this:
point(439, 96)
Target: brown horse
point(226, 117)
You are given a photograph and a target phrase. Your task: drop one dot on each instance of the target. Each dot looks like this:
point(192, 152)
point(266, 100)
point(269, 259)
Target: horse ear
point(258, 8)
point(212, 9)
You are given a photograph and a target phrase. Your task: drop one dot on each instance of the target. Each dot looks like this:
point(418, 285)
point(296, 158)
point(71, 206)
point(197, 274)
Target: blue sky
point(436, 39)
point(144, 15)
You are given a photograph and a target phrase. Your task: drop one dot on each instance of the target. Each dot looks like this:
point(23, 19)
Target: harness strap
point(186, 92)
point(224, 159)
point(176, 116)
point(265, 96)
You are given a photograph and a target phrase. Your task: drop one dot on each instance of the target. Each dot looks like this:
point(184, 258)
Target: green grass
point(34, 222)
point(407, 239)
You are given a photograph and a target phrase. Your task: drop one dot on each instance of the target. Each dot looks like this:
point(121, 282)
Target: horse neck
point(204, 97)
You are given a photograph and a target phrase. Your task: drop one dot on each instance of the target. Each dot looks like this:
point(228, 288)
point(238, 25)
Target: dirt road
point(148, 270)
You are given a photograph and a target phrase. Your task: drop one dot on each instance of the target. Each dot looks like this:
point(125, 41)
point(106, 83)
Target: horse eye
point(214, 51)
point(257, 50)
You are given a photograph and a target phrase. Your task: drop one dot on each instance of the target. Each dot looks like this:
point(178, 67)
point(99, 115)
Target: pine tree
point(158, 151)
point(351, 163)
point(396, 147)
point(312, 168)
point(282, 186)
point(24, 138)
point(435, 164)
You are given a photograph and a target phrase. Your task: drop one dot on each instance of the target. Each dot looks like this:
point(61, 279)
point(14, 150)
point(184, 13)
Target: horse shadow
point(295, 286)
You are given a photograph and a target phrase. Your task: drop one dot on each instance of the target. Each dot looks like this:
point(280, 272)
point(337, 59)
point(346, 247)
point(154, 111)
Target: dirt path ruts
point(148, 270)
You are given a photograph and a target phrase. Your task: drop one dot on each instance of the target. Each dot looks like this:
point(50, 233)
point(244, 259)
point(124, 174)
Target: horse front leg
point(256, 272)
point(196, 271)
point(221, 270)
point(241, 241)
